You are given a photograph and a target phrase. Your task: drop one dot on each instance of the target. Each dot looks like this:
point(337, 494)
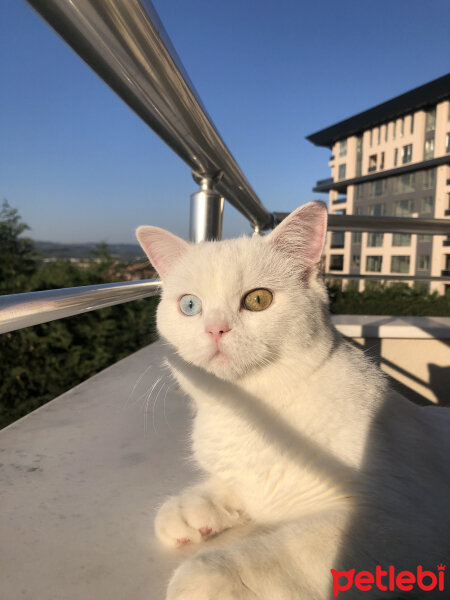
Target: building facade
point(391, 160)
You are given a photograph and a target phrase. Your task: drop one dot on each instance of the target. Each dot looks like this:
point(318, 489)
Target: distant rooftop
point(420, 97)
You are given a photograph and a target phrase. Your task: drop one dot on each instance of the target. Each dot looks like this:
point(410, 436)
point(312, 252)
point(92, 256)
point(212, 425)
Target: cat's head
point(234, 306)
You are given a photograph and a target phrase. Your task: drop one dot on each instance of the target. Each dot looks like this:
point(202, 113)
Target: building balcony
point(325, 181)
point(325, 185)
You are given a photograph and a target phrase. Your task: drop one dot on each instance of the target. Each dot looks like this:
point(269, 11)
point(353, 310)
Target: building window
point(386, 128)
point(402, 127)
point(424, 237)
point(376, 210)
point(429, 149)
point(356, 260)
point(341, 173)
point(359, 144)
point(378, 188)
point(356, 237)
point(371, 137)
point(400, 264)
point(395, 157)
point(447, 143)
point(423, 262)
point(372, 163)
point(430, 120)
point(427, 204)
point(359, 191)
point(343, 148)
point(429, 179)
point(341, 211)
point(337, 239)
point(379, 135)
point(401, 239)
point(407, 154)
point(373, 264)
point(404, 208)
point(336, 262)
point(412, 124)
point(404, 184)
point(394, 130)
point(382, 161)
point(374, 240)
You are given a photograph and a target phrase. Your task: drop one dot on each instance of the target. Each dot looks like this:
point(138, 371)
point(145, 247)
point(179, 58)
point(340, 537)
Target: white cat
point(295, 430)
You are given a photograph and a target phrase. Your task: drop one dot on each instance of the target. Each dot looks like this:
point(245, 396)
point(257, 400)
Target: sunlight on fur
point(297, 432)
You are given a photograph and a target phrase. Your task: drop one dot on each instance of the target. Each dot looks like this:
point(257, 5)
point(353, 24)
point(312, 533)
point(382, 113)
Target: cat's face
point(231, 307)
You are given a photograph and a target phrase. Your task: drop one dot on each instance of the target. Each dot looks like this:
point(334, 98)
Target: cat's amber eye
point(258, 299)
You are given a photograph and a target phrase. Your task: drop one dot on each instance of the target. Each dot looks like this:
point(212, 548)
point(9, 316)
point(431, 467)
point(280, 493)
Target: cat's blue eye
point(190, 305)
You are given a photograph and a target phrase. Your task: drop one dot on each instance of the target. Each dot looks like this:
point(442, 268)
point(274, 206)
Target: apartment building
point(393, 160)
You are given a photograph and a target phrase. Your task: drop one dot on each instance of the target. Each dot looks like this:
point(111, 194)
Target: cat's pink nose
point(217, 330)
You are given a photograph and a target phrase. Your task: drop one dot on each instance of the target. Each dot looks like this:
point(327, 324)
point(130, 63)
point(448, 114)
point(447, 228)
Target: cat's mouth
point(219, 355)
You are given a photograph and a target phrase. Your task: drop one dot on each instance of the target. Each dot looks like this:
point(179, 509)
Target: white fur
point(295, 430)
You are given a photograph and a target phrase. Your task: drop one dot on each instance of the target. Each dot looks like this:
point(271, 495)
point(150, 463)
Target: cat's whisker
point(154, 407)
point(169, 387)
point(137, 383)
point(147, 403)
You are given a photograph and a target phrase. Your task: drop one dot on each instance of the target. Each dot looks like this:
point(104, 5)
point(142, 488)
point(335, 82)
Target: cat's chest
point(224, 442)
point(268, 462)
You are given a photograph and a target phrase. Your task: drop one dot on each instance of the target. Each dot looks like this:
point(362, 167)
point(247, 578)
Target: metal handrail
point(23, 310)
point(381, 277)
point(125, 43)
point(383, 224)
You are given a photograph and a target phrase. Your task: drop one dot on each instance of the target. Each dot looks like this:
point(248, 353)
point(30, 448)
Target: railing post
point(206, 210)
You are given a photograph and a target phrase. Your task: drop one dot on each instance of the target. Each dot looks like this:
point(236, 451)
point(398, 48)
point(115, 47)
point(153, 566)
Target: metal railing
point(23, 310)
point(126, 44)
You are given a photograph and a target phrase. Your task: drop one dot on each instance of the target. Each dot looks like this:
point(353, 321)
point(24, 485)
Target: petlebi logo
point(389, 580)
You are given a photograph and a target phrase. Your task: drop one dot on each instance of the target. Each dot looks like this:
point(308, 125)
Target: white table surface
point(80, 479)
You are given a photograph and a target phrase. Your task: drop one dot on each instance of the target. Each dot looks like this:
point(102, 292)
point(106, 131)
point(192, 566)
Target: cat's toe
point(173, 528)
point(189, 518)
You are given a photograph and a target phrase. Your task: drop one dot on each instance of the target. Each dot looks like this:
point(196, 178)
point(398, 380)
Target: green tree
point(18, 257)
point(38, 363)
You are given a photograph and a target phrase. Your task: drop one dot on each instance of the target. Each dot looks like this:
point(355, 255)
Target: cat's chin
point(223, 366)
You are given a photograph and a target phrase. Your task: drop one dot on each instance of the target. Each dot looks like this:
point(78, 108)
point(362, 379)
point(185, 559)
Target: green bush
point(39, 363)
point(388, 299)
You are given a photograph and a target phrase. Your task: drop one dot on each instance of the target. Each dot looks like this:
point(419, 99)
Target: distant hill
point(84, 251)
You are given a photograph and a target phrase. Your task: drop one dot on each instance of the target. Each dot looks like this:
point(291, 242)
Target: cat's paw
point(208, 576)
point(193, 517)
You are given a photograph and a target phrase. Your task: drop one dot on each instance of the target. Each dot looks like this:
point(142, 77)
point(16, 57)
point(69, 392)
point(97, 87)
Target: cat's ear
point(162, 247)
point(302, 234)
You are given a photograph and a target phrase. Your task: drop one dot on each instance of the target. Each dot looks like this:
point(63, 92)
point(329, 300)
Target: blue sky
point(80, 166)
